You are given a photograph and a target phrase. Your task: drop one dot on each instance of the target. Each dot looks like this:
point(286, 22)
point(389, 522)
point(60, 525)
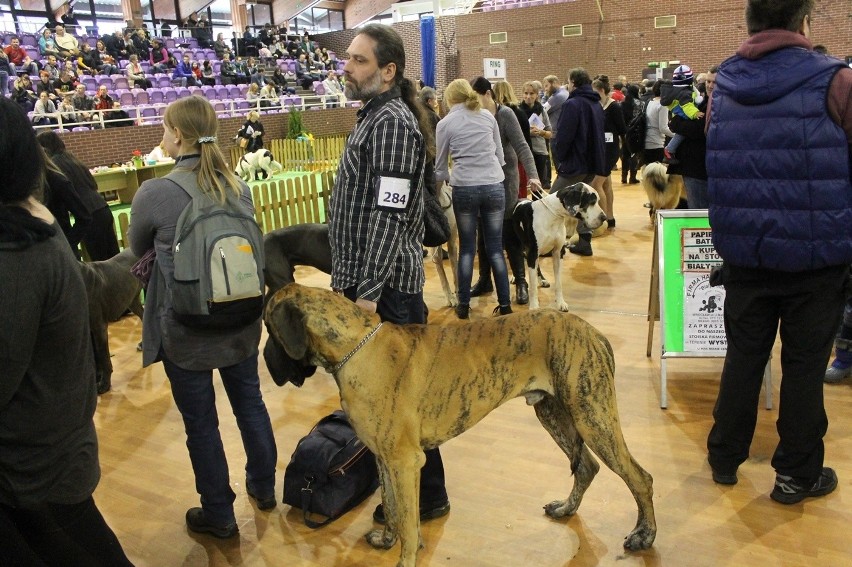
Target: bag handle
point(307, 496)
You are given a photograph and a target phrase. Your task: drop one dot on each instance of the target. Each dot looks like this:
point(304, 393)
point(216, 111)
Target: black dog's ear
point(284, 369)
point(572, 198)
point(287, 325)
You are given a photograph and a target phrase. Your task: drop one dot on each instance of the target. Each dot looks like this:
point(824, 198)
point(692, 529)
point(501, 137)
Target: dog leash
point(339, 365)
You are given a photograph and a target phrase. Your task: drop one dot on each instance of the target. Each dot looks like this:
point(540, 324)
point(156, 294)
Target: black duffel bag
point(331, 471)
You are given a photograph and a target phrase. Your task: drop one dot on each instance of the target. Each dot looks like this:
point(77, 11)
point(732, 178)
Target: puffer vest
point(778, 166)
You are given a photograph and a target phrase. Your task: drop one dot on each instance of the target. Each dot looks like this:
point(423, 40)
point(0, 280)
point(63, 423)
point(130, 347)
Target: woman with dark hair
point(99, 236)
point(49, 459)
point(190, 354)
point(630, 108)
point(614, 129)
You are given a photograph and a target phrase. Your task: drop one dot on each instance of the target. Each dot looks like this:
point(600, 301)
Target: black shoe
point(267, 503)
point(583, 247)
point(522, 293)
point(197, 522)
point(502, 310)
point(481, 287)
point(728, 479)
point(624, 180)
point(426, 514)
point(463, 311)
point(633, 181)
point(789, 490)
point(610, 223)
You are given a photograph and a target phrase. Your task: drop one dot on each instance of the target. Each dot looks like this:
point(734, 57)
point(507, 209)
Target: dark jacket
point(578, 146)
point(691, 152)
point(778, 165)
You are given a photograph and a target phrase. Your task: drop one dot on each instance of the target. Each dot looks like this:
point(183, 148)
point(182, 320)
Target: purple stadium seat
point(208, 92)
point(170, 95)
point(164, 81)
point(170, 43)
point(234, 91)
point(126, 98)
point(90, 83)
point(220, 107)
point(147, 112)
point(217, 67)
point(182, 92)
point(104, 80)
point(80, 129)
point(194, 90)
point(92, 41)
point(141, 97)
point(121, 83)
point(221, 91)
point(123, 63)
point(156, 96)
point(28, 39)
point(243, 90)
point(161, 109)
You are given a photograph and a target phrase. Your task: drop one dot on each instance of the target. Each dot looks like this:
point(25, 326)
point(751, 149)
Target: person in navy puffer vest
point(779, 147)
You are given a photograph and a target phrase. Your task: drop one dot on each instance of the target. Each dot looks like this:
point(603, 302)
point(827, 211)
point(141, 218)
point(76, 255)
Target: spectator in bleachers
point(279, 48)
point(128, 42)
point(19, 59)
point(252, 130)
point(317, 61)
point(242, 71)
point(102, 100)
point(264, 35)
point(208, 74)
point(66, 83)
point(293, 48)
point(44, 111)
point(221, 47)
point(249, 42)
point(44, 84)
point(204, 32)
point(104, 55)
point(195, 66)
point(254, 98)
point(255, 72)
point(280, 81)
point(269, 93)
point(67, 111)
point(304, 74)
point(182, 74)
point(52, 67)
point(83, 104)
point(90, 61)
point(66, 43)
point(115, 46)
point(23, 92)
point(117, 117)
point(227, 71)
point(6, 71)
point(136, 74)
point(333, 90)
point(158, 57)
point(46, 44)
point(141, 44)
point(69, 20)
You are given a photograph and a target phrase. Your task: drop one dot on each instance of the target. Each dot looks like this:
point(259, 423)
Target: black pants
point(808, 306)
point(401, 308)
point(99, 239)
point(74, 535)
point(628, 164)
point(514, 250)
point(542, 167)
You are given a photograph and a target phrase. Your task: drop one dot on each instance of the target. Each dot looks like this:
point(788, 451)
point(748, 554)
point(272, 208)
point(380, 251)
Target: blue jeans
point(195, 398)
point(4, 83)
point(470, 203)
point(696, 192)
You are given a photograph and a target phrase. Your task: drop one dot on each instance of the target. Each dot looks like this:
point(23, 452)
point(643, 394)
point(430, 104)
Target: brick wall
point(622, 44)
point(103, 147)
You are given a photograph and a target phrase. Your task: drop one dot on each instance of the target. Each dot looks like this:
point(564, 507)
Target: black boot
point(522, 292)
point(583, 247)
point(481, 287)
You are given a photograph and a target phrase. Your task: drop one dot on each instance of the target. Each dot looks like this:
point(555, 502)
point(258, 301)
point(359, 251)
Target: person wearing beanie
point(682, 99)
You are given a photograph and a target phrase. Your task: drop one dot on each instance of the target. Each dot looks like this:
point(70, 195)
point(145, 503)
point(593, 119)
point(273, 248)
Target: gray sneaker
point(790, 491)
point(834, 375)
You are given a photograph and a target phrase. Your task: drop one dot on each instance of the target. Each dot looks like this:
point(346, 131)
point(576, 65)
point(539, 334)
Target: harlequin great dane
point(407, 388)
point(544, 226)
point(257, 165)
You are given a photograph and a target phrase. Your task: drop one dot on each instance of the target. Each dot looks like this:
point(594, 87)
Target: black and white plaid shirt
point(370, 246)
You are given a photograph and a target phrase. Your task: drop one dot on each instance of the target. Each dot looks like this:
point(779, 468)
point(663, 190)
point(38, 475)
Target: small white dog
point(257, 165)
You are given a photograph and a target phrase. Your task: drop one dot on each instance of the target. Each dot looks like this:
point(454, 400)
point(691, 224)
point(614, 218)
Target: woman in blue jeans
point(190, 354)
point(470, 135)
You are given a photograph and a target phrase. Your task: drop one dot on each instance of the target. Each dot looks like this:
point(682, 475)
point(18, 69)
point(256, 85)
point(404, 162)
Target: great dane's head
point(581, 202)
point(310, 327)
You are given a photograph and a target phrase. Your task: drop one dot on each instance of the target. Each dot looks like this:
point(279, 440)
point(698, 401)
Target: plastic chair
point(164, 81)
point(221, 91)
point(121, 83)
point(169, 95)
point(126, 98)
point(141, 97)
point(156, 96)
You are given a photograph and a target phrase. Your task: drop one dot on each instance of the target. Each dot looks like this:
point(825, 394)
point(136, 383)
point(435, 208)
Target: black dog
point(291, 246)
point(111, 290)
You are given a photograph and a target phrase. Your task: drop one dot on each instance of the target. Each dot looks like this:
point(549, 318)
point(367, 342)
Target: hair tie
point(207, 140)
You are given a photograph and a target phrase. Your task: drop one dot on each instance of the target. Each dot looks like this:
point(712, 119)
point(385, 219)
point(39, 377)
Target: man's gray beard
point(371, 88)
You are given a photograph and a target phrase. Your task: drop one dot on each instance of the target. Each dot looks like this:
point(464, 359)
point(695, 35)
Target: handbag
point(331, 471)
point(437, 226)
point(243, 143)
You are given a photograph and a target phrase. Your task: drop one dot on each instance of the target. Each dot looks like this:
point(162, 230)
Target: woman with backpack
point(189, 351)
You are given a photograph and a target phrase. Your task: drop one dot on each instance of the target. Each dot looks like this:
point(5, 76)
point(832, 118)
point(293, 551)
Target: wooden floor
point(499, 474)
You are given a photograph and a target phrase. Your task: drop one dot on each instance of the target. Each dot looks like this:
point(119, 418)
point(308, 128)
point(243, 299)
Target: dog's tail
point(276, 166)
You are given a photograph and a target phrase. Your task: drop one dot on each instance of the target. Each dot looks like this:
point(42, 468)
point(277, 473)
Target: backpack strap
point(186, 180)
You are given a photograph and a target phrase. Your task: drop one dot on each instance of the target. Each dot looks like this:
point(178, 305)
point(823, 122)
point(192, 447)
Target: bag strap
point(307, 497)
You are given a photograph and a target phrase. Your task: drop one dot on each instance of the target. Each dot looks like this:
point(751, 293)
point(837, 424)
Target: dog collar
point(339, 365)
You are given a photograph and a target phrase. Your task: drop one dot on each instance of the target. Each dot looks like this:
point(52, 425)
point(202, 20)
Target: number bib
point(392, 193)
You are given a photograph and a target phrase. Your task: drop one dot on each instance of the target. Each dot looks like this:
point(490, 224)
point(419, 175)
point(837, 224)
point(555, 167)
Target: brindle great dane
point(412, 387)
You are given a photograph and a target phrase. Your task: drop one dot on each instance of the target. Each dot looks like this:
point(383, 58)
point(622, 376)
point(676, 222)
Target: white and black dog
point(257, 165)
point(544, 226)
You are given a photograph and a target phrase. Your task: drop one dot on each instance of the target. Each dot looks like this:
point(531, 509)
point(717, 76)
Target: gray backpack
point(218, 259)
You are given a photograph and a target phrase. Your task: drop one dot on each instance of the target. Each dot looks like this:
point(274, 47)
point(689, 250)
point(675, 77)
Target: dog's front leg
point(404, 475)
point(561, 304)
point(532, 277)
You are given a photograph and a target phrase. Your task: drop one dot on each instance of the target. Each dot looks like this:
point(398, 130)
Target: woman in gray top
point(190, 354)
point(48, 445)
point(516, 150)
point(470, 136)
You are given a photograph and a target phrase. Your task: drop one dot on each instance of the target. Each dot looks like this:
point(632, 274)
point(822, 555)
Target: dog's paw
point(381, 538)
point(562, 306)
point(640, 538)
point(452, 300)
point(560, 508)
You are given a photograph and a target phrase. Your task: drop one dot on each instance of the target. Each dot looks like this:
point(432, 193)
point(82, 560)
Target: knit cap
point(682, 76)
